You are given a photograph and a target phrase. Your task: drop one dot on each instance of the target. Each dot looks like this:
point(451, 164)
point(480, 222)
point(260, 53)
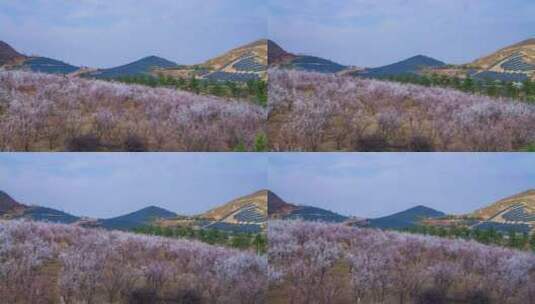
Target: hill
point(405, 219)
point(14, 60)
point(136, 219)
point(241, 64)
point(144, 66)
point(516, 212)
point(44, 214)
point(48, 66)
point(8, 54)
point(244, 214)
point(413, 65)
point(512, 63)
point(278, 57)
point(8, 204)
point(279, 209)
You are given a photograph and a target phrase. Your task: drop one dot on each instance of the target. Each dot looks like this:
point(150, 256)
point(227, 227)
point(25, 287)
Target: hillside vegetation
point(332, 263)
point(47, 263)
point(46, 112)
point(318, 112)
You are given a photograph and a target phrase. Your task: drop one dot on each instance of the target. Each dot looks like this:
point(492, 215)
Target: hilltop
point(278, 57)
point(413, 65)
point(241, 64)
point(243, 214)
point(8, 54)
point(8, 205)
point(145, 216)
point(144, 66)
point(280, 209)
point(406, 219)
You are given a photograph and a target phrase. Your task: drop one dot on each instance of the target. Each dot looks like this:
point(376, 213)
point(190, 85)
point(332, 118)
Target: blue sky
point(374, 33)
point(377, 184)
point(107, 185)
point(360, 184)
point(103, 33)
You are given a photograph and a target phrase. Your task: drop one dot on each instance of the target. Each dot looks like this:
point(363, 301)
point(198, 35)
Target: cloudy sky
point(103, 33)
point(373, 33)
point(371, 185)
point(107, 185)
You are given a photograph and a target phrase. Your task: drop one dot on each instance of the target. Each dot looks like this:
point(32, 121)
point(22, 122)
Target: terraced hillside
point(244, 214)
point(248, 62)
point(518, 209)
point(512, 63)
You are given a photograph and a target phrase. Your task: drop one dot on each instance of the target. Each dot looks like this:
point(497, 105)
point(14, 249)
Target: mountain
point(519, 57)
point(47, 65)
point(144, 66)
point(43, 214)
point(241, 64)
point(13, 59)
point(8, 204)
point(278, 57)
point(512, 63)
point(11, 209)
point(244, 214)
point(516, 212)
point(138, 218)
point(513, 213)
point(279, 209)
point(9, 54)
point(412, 65)
point(405, 219)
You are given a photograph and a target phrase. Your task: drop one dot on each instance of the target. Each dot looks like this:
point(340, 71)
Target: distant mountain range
point(512, 63)
point(248, 62)
point(250, 213)
point(279, 209)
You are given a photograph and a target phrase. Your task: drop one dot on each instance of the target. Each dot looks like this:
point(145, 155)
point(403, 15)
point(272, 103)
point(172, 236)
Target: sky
point(102, 185)
point(371, 33)
point(103, 33)
point(378, 184)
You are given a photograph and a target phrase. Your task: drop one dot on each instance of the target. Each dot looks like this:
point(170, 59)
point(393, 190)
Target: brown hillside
point(258, 48)
point(259, 199)
point(8, 204)
point(527, 198)
point(492, 62)
point(8, 54)
point(277, 55)
point(277, 207)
